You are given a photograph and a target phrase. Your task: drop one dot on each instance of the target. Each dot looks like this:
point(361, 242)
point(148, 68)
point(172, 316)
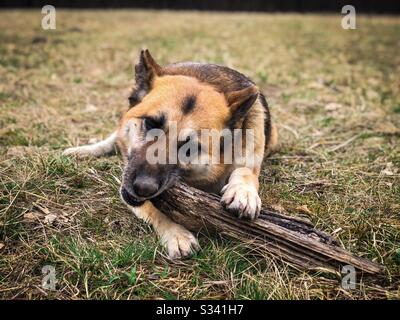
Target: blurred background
point(365, 6)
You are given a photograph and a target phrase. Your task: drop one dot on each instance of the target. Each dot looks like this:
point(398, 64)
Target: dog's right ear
point(146, 70)
point(239, 103)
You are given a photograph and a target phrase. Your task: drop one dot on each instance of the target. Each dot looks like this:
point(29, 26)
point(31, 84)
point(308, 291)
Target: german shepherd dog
point(194, 96)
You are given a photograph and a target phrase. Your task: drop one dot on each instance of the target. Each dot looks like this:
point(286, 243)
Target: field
point(334, 93)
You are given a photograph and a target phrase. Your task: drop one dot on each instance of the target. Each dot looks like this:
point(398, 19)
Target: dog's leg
point(178, 241)
point(240, 194)
point(94, 150)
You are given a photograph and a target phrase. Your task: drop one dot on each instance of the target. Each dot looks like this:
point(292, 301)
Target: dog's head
point(163, 105)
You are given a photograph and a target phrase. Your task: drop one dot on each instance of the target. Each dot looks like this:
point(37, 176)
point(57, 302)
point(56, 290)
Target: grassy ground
point(334, 93)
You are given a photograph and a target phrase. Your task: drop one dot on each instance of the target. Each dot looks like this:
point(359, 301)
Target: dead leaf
point(389, 170)
point(337, 230)
point(31, 216)
point(304, 209)
point(316, 85)
point(278, 208)
point(50, 218)
point(371, 95)
point(90, 108)
point(2, 245)
point(333, 106)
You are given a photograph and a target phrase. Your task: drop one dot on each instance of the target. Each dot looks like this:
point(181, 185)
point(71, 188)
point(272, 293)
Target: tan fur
point(272, 145)
point(178, 240)
point(167, 95)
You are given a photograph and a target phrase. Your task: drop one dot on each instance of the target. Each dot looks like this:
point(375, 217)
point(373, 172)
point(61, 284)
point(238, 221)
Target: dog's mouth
point(135, 201)
point(130, 199)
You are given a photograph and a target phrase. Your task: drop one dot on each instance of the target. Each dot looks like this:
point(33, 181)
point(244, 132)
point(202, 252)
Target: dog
point(197, 96)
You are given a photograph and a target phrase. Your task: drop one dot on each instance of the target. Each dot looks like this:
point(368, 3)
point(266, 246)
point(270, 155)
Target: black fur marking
point(143, 77)
point(188, 104)
point(267, 118)
point(157, 122)
point(133, 99)
point(142, 73)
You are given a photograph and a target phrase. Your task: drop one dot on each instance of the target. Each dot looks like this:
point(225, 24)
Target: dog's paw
point(179, 242)
point(241, 199)
point(80, 152)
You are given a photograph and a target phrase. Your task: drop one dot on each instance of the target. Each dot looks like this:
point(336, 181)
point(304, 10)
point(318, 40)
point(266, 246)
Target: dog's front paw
point(179, 242)
point(241, 199)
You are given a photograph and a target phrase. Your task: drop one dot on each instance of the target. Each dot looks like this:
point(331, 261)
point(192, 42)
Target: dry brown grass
point(334, 94)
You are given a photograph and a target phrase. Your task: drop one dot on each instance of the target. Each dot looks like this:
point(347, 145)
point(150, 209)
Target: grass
point(334, 94)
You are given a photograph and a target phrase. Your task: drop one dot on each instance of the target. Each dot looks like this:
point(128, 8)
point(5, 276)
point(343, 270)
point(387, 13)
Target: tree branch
point(291, 239)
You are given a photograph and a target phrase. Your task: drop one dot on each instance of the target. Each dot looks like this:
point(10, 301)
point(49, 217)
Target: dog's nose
point(145, 187)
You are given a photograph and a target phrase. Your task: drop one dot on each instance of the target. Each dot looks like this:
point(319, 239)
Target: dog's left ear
point(146, 70)
point(239, 103)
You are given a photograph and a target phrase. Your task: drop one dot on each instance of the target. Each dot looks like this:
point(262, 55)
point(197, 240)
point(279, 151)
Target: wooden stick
point(292, 239)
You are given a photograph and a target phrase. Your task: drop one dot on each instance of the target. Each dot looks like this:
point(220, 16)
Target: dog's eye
point(189, 152)
point(152, 123)
point(183, 142)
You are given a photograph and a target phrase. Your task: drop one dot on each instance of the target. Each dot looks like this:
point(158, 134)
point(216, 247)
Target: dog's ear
point(239, 103)
point(146, 70)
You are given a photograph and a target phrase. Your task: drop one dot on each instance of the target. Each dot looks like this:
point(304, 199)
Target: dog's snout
point(145, 186)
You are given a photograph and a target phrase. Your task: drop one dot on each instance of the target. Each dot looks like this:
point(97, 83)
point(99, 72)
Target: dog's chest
point(208, 182)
